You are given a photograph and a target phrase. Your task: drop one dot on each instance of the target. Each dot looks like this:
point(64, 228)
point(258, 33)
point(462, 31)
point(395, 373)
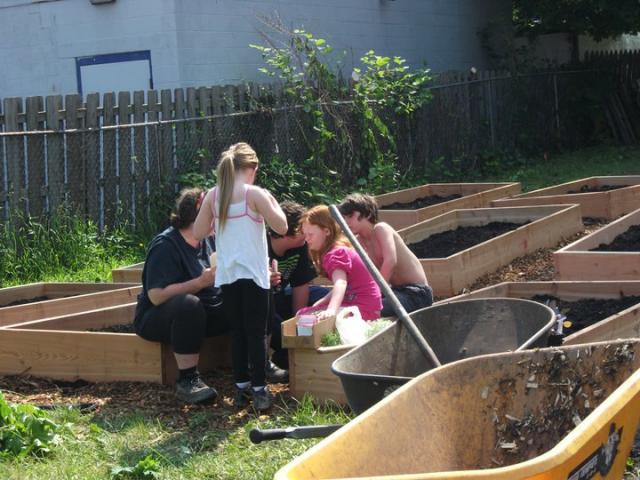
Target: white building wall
point(205, 42)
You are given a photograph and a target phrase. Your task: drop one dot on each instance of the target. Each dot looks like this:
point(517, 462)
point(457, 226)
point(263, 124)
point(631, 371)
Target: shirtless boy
point(397, 264)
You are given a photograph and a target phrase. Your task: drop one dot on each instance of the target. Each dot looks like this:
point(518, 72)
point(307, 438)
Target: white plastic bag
point(350, 326)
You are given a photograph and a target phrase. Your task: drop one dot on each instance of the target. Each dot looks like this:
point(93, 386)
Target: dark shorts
point(412, 297)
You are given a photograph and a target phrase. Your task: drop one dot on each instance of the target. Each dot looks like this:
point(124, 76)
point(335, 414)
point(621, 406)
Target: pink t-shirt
point(362, 290)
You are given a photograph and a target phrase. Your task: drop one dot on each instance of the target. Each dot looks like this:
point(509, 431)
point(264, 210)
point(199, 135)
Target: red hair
point(321, 217)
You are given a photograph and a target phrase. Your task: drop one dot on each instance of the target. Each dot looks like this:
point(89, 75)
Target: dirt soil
point(24, 301)
point(587, 311)
point(122, 328)
point(444, 244)
point(628, 241)
point(564, 390)
point(122, 398)
point(420, 202)
point(599, 188)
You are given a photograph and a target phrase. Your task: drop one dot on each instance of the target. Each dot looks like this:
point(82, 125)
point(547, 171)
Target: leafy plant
point(148, 467)
point(26, 430)
point(330, 339)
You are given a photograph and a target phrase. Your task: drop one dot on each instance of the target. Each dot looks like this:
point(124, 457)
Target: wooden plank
point(109, 158)
point(92, 356)
point(93, 157)
point(447, 276)
point(76, 173)
point(127, 275)
point(473, 196)
point(35, 158)
point(21, 292)
point(139, 160)
point(125, 177)
point(55, 154)
point(15, 154)
point(576, 262)
point(180, 144)
point(83, 320)
point(66, 289)
point(65, 306)
point(607, 204)
point(310, 373)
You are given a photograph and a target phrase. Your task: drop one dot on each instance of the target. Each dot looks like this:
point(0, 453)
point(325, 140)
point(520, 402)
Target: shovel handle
point(425, 348)
point(258, 435)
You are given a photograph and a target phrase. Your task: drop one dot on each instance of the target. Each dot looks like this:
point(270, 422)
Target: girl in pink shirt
point(334, 258)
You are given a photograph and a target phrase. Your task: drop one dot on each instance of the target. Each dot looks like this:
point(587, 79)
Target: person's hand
point(324, 314)
point(275, 278)
point(207, 277)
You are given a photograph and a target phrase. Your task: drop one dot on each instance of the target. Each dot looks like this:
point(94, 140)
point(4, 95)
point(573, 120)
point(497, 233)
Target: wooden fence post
point(75, 165)
point(35, 158)
point(55, 153)
point(124, 157)
point(92, 143)
point(109, 161)
point(15, 153)
point(139, 159)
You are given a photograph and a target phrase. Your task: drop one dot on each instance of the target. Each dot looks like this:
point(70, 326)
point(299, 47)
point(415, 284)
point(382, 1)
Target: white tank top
point(241, 246)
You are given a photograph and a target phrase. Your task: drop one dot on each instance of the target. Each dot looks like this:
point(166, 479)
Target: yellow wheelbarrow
point(555, 413)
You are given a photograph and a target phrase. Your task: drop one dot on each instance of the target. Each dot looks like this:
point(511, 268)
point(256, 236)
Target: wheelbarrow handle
point(258, 435)
point(424, 346)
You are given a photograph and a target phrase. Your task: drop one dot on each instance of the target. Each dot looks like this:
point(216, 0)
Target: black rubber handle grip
point(258, 435)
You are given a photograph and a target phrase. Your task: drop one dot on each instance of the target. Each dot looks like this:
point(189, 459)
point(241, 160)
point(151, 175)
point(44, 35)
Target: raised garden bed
point(54, 299)
point(128, 274)
point(62, 348)
point(541, 227)
point(612, 308)
point(310, 364)
point(438, 198)
point(579, 260)
point(600, 197)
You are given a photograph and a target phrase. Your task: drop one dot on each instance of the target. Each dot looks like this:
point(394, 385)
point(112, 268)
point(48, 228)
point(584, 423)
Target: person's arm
point(384, 237)
point(202, 225)
point(339, 279)
point(267, 206)
point(160, 295)
point(299, 297)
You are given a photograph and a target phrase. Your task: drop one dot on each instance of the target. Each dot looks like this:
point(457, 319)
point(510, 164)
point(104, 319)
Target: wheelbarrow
point(554, 413)
point(455, 331)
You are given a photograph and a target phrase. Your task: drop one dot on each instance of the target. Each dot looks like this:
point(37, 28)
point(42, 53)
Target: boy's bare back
point(408, 268)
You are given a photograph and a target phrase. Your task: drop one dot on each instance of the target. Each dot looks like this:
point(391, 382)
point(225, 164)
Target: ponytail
point(226, 180)
point(237, 157)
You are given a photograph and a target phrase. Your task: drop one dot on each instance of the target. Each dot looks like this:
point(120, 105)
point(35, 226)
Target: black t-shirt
point(170, 260)
point(295, 266)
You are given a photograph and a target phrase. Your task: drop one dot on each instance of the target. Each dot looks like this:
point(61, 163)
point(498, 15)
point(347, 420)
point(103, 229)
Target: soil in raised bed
point(598, 188)
point(444, 244)
point(421, 202)
point(587, 311)
point(24, 301)
point(628, 241)
point(121, 328)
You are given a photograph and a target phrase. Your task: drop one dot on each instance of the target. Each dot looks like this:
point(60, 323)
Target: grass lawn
point(201, 442)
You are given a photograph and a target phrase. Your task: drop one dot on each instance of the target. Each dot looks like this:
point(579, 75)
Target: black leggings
point(246, 307)
point(183, 322)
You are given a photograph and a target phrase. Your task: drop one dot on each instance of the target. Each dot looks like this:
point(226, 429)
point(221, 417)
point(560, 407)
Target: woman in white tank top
point(238, 210)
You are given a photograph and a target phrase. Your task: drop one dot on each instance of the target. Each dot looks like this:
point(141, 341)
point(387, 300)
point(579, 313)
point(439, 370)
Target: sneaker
point(276, 374)
point(191, 389)
point(261, 399)
point(242, 396)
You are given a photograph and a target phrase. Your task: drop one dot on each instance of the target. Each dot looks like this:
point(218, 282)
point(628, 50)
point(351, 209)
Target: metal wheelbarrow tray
point(555, 413)
point(455, 331)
